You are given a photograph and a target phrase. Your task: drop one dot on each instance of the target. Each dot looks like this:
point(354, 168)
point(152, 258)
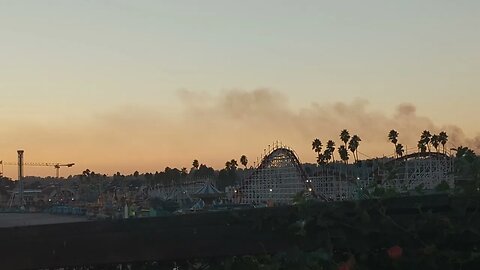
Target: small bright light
point(49, 200)
point(271, 190)
point(310, 189)
point(235, 191)
point(73, 199)
point(358, 178)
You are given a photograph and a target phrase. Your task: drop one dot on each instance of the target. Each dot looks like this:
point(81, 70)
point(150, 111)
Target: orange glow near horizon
point(214, 131)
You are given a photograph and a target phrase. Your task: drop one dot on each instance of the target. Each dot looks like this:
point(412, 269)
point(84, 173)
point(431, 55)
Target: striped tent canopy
point(207, 191)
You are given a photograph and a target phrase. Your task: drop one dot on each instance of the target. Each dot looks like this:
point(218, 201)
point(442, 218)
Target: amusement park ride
point(280, 176)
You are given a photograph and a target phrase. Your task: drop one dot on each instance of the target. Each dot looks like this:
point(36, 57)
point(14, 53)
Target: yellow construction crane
point(48, 164)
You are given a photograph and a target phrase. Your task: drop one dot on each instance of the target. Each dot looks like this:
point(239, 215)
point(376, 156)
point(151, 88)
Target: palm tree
point(399, 150)
point(425, 139)
point(317, 147)
point(443, 137)
point(233, 164)
point(321, 159)
point(353, 146)
point(327, 155)
point(421, 147)
point(195, 163)
point(244, 161)
point(345, 136)
point(393, 137)
point(331, 149)
point(343, 152)
point(86, 173)
point(435, 141)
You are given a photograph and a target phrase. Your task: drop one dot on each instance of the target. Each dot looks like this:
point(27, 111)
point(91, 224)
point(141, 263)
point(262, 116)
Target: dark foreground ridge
point(415, 223)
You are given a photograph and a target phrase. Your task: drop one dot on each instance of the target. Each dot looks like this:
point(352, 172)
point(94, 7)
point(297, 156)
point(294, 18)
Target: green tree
point(227, 176)
point(343, 153)
point(443, 137)
point(422, 148)
point(435, 141)
point(195, 164)
point(331, 149)
point(425, 139)
point(467, 170)
point(244, 161)
point(204, 172)
point(321, 160)
point(231, 165)
point(399, 150)
point(344, 136)
point(327, 155)
point(353, 146)
point(466, 153)
point(393, 138)
point(317, 147)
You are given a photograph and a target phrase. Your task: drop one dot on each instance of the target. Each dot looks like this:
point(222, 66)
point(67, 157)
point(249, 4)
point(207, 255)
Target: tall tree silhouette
point(244, 161)
point(327, 155)
point(435, 141)
point(443, 137)
point(317, 147)
point(399, 150)
point(353, 146)
point(321, 159)
point(425, 139)
point(343, 153)
point(331, 149)
point(195, 163)
point(393, 138)
point(231, 165)
point(344, 136)
point(422, 148)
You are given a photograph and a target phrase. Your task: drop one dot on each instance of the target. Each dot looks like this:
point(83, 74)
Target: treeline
point(231, 174)
point(352, 143)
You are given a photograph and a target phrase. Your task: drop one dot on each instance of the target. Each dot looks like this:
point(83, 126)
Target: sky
point(141, 85)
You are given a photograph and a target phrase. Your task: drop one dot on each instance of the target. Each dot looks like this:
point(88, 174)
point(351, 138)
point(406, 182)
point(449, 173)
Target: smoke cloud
point(213, 129)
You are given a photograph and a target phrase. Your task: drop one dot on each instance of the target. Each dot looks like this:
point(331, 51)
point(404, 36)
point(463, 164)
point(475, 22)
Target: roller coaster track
point(278, 158)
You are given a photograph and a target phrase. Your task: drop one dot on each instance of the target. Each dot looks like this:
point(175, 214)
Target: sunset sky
point(141, 85)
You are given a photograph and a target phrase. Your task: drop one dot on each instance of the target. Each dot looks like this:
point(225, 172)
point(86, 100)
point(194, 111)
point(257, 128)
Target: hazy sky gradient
point(109, 84)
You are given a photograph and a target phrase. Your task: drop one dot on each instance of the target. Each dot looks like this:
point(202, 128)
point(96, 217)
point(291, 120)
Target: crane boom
point(56, 165)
